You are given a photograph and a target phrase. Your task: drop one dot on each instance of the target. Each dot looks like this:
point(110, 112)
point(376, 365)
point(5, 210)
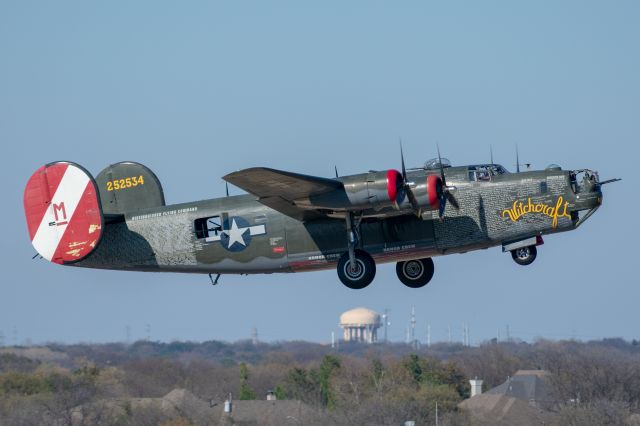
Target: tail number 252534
point(117, 184)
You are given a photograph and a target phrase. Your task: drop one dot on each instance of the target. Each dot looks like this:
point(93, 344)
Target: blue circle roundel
point(236, 235)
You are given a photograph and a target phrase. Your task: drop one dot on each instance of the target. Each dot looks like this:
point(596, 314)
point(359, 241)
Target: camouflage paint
point(164, 238)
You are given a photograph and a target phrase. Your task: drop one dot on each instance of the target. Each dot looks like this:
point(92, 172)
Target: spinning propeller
point(407, 188)
point(442, 191)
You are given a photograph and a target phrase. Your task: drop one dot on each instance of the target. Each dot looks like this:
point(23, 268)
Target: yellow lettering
point(529, 208)
point(520, 209)
point(509, 213)
point(554, 222)
point(117, 184)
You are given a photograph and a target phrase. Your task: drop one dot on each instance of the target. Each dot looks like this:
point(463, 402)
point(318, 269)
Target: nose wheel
point(415, 273)
point(359, 274)
point(524, 255)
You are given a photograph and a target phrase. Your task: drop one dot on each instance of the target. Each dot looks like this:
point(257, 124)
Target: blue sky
point(196, 90)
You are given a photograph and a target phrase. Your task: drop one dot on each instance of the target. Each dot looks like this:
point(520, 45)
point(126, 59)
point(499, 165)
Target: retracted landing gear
point(356, 268)
point(415, 273)
point(524, 255)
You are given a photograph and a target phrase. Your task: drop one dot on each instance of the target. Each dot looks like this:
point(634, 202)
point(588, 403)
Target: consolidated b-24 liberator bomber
point(291, 222)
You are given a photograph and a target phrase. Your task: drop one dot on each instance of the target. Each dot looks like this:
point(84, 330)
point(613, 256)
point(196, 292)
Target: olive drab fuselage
point(240, 234)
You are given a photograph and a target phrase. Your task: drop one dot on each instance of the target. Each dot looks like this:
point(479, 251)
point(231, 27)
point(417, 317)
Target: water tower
point(360, 325)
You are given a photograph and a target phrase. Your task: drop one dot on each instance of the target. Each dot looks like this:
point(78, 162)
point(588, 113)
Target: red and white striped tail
point(63, 212)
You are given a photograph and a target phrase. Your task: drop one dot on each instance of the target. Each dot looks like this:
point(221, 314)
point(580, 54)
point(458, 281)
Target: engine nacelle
point(427, 192)
point(373, 190)
point(376, 190)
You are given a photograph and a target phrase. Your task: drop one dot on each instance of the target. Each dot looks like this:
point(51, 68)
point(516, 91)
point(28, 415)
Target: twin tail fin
point(66, 208)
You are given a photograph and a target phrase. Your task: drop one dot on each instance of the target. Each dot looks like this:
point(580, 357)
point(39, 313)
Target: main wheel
point(415, 273)
point(524, 255)
point(361, 275)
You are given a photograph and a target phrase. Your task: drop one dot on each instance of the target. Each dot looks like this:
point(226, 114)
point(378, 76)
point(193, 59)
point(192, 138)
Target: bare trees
point(597, 382)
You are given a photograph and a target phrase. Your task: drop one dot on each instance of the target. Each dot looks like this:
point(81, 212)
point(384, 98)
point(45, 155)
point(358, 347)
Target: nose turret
point(587, 187)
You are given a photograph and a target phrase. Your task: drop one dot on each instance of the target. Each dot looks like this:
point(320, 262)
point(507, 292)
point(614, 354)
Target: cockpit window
point(434, 164)
point(485, 172)
point(499, 169)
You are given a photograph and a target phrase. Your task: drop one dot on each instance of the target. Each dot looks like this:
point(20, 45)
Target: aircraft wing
point(279, 189)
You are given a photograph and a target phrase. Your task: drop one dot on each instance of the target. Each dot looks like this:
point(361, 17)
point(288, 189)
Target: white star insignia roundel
point(235, 234)
point(235, 238)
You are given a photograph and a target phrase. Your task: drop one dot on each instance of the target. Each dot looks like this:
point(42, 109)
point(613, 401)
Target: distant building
point(523, 399)
point(531, 386)
point(182, 404)
point(360, 325)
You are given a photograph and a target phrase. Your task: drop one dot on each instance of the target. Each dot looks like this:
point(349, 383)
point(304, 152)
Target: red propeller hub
point(395, 185)
point(434, 189)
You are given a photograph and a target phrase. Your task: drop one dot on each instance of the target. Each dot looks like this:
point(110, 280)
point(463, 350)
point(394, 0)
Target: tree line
point(593, 382)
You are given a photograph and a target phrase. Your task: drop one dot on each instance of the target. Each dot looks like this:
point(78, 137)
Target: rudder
point(62, 208)
point(127, 186)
